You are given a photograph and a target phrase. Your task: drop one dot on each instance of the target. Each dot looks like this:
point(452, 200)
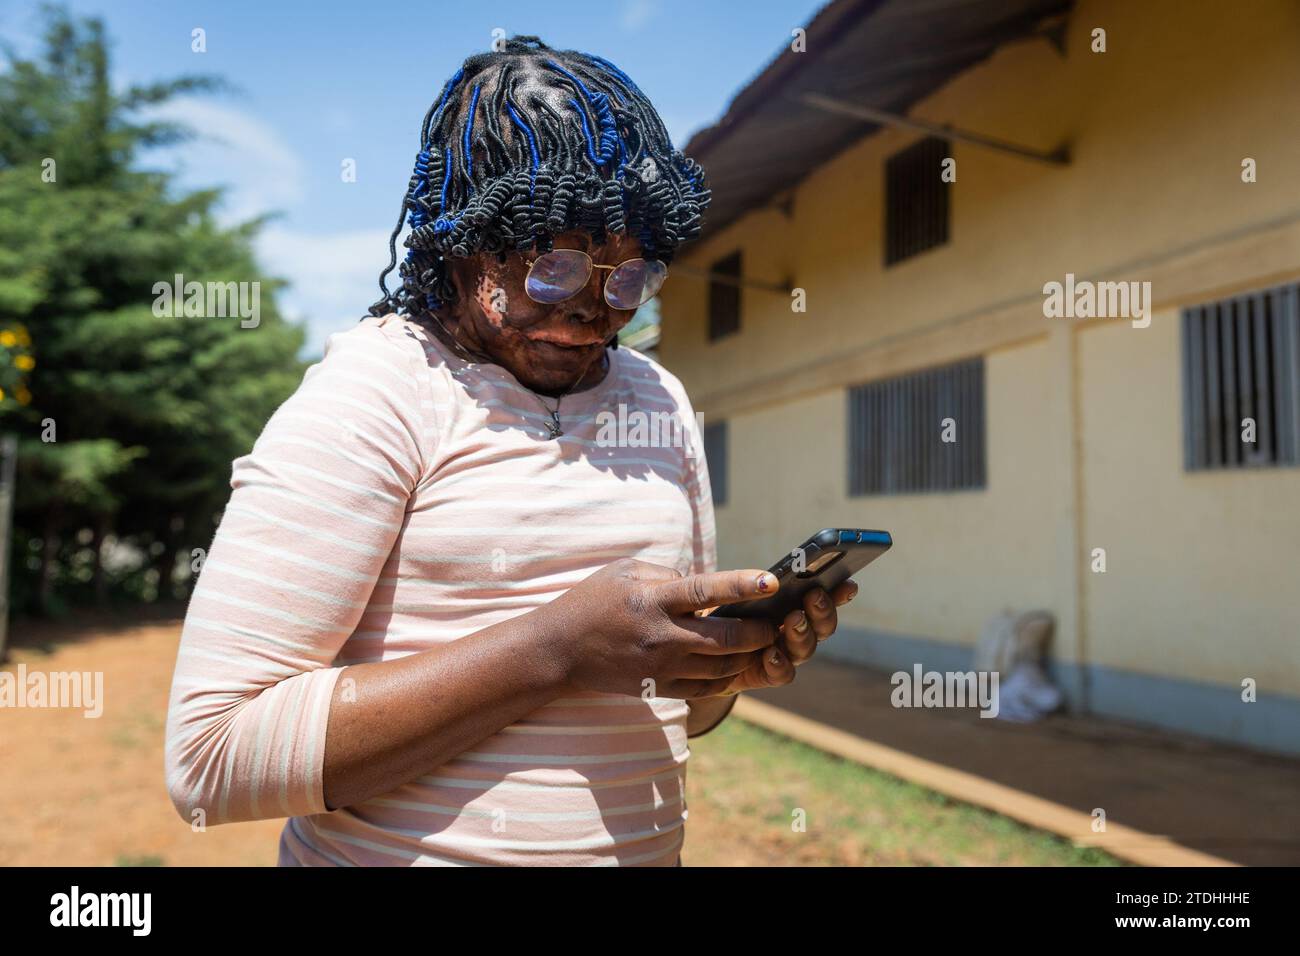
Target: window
point(916, 200)
point(715, 456)
point(724, 298)
point(918, 432)
point(1241, 365)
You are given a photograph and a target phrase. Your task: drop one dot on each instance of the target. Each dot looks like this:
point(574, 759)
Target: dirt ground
point(81, 791)
point(90, 792)
point(78, 791)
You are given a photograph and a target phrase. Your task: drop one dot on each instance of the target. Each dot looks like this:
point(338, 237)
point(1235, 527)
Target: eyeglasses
point(562, 273)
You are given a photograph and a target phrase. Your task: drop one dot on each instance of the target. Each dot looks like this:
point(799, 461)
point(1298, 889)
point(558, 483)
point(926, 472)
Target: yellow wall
point(958, 558)
point(1084, 419)
point(1202, 567)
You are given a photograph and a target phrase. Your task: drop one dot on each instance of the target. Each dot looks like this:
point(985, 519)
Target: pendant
point(553, 426)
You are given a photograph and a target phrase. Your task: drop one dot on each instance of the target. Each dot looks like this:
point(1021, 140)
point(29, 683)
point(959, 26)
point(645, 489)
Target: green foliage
point(146, 411)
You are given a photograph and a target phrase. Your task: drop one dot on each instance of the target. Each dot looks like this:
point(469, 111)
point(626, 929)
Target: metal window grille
point(916, 200)
point(897, 431)
point(715, 456)
point(1241, 364)
point(724, 298)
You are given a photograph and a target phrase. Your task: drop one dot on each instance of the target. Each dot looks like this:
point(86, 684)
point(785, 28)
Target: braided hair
point(525, 143)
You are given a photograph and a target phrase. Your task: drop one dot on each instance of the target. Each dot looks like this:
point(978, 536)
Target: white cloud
point(261, 171)
point(637, 13)
point(334, 277)
point(338, 121)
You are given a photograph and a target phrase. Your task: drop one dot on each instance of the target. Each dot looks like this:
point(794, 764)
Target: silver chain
point(553, 426)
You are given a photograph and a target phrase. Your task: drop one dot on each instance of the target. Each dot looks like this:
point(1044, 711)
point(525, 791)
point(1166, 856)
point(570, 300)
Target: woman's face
point(548, 348)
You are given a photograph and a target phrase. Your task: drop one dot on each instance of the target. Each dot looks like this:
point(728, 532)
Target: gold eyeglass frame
point(592, 264)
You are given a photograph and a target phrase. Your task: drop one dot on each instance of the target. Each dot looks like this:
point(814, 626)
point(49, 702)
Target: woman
point(445, 619)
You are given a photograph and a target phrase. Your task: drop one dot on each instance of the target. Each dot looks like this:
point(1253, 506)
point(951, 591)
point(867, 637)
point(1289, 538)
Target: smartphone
point(827, 559)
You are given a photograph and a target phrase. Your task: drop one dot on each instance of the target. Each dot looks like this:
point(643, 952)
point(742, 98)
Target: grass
point(757, 798)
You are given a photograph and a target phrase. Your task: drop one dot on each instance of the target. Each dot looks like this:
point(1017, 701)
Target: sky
point(320, 82)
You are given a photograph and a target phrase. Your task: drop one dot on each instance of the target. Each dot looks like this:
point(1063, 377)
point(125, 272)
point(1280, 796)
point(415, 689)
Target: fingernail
point(766, 582)
point(801, 625)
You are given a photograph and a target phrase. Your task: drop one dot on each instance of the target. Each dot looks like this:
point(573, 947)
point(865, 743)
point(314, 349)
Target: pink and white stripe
point(400, 499)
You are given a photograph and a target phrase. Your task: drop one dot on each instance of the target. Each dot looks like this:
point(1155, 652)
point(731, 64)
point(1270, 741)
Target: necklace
point(553, 428)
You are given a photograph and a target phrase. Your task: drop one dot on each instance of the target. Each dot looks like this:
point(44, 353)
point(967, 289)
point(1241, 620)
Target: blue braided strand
point(469, 131)
point(532, 146)
point(610, 140)
point(586, 131)
point(611, 68)
point(446, 181)
point(442, 100)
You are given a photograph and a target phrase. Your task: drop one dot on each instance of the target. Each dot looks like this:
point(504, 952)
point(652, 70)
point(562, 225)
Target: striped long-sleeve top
point(403, 498)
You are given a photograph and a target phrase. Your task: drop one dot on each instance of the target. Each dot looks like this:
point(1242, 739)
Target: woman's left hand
point(801, 632)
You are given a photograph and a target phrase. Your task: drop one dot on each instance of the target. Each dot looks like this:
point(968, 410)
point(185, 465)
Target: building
point(919, 175)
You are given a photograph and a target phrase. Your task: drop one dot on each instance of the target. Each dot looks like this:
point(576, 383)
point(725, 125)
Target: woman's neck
point(593, 376)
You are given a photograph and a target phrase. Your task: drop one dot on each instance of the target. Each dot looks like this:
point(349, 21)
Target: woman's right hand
point(633, 622)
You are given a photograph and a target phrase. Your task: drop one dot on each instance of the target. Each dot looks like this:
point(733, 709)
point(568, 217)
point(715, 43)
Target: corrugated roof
point(886, 54)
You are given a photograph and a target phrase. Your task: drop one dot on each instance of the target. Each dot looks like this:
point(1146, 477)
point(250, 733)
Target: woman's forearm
point(393, 721)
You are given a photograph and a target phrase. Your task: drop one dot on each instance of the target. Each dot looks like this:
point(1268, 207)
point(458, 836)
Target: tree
point(128, 416)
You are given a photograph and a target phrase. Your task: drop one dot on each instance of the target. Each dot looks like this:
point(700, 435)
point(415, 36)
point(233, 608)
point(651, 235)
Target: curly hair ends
point(525, 143)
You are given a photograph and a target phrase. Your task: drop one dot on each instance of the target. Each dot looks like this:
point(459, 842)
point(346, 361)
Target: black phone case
point(859, 548)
